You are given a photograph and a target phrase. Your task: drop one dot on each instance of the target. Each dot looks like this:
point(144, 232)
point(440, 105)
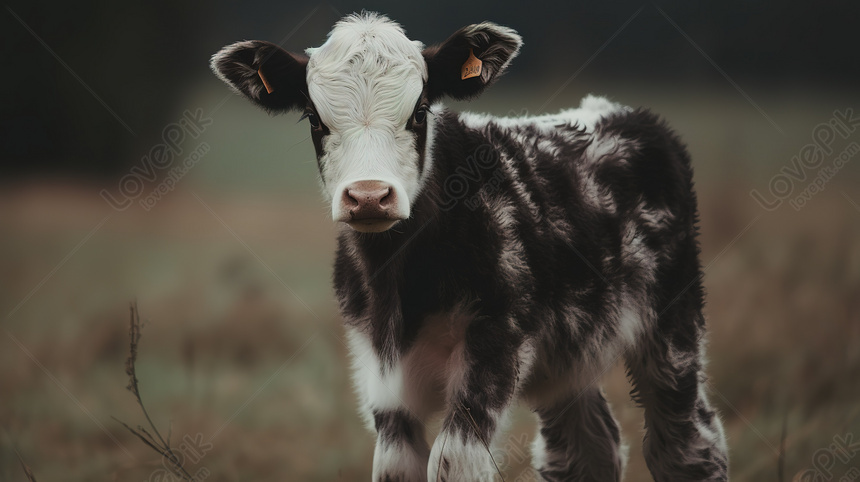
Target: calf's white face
point(366, 93)
point(365, 84)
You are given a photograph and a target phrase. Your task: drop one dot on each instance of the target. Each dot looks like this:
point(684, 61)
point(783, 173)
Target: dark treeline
point(142, 58)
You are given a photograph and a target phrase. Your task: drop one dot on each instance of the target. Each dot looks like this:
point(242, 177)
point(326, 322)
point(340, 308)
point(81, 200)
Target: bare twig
point(780, 468)
point(157, 442)
point(27, 469)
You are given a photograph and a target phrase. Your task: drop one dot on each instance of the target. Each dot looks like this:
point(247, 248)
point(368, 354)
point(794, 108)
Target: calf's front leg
point(401, 451)
point(486, 371)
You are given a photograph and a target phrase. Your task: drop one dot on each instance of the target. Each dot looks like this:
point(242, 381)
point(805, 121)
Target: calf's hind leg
point(578, 439)
point(684, 438)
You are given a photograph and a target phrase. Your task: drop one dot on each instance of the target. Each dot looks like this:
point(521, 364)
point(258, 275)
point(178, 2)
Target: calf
point(487, 259)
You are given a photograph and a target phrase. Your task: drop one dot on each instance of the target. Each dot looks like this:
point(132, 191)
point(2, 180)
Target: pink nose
point(369, 200)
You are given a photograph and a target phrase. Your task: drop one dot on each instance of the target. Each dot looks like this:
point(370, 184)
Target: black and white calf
point(484, 260)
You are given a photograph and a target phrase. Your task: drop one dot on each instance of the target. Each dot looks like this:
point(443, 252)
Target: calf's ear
point(470, 60)
point(268, 75)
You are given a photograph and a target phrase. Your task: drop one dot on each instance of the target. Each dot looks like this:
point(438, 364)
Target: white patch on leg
point(465, 461)
point(539, 458)
point(376, 390)
point(624, 454)
point(400, 462)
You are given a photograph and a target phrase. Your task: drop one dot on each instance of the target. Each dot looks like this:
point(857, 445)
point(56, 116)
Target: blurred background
point(227, 247)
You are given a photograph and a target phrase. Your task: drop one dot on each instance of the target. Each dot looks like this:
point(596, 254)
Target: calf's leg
point(401, 451)
point(487, 369)
point(684, 438)
point(578, 439)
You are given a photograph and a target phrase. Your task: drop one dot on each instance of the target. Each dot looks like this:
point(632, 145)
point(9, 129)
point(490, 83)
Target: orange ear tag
point(266, 82)
point(471, 68)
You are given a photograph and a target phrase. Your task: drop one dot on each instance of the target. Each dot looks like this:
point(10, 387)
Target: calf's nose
point(369, 200)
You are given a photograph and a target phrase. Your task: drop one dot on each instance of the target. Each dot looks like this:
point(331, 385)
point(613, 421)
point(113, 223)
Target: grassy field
point(242, 351)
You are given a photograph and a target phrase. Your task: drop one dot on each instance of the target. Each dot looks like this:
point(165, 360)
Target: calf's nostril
point(351, 199)
point(387, 199)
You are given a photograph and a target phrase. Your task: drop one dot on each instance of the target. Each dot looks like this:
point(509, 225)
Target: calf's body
point(536, 253)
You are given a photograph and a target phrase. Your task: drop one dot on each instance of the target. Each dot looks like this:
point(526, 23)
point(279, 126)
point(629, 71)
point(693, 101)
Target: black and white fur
point(525, 257)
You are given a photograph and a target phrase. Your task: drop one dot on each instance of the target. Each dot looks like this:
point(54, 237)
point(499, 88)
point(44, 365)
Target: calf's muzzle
point(369, 206)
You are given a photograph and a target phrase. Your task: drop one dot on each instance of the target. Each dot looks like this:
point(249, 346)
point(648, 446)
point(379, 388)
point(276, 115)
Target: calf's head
point(367, 94)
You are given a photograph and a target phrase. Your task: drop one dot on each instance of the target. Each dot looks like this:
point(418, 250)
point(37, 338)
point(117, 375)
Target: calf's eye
point(312, 119)
point(420, 115)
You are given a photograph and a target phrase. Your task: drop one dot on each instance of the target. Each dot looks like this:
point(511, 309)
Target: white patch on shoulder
point(598, 105)
point(591, 110)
